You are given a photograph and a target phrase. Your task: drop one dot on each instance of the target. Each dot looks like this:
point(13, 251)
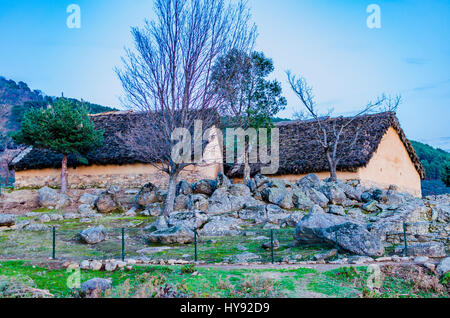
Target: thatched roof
point(301, 153)
point(115, 150)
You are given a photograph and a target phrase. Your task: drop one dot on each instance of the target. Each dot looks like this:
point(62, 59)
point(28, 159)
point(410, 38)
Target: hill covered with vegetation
point(17, 98)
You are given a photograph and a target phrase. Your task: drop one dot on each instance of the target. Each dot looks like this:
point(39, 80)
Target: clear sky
point(328, 42)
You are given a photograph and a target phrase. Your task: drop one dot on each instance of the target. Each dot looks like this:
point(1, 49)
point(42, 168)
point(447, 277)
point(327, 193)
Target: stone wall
point(127, 176)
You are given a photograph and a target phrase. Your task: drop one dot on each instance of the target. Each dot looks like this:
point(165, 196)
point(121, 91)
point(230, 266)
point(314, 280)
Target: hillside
point(17, 98)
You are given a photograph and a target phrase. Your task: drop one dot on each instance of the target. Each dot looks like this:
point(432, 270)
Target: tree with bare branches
point(167, 77)
point(332, 137)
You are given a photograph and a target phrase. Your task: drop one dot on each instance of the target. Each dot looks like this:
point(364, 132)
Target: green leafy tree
point(446, 175)
point(64, 128)
point(249, 98)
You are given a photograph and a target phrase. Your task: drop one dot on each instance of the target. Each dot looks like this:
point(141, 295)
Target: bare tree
point(330, 137)
point(167, 77)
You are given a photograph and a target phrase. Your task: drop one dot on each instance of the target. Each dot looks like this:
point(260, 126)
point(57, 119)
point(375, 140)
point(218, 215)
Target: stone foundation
point(128, 176)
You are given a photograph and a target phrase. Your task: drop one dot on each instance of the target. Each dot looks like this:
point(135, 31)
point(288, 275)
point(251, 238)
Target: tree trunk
point(333, 166)
point(170, 199)
point(246, 168)
point(64, 175)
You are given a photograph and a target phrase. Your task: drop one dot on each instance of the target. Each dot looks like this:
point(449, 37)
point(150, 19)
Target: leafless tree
point(330, 137)
point(167, 77)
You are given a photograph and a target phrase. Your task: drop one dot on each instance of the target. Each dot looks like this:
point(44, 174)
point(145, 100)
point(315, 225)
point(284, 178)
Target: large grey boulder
point(261, 182)
point(334, 193)
point(256, 214)
point(222, 181)
point(7, 220)
point(95, 285)
point(274, 195)
point(293, 219)
point(205, 186)
point(444, 266)
point(48, 197)
point(310, 181)
point(107, 202)
point(317, 197)
point(321, 227)
point(301, 200)
point(222, 201)
point(239, 190)
point(274, 214)
point(172, 235)
point(190, 220)
point(198, 202)
point(148, 194)
point(182, 202)
point(86, 209)
point(430, 249)
point(221, 226)
point(87, 198)
point(184, 188)
point(93, 235)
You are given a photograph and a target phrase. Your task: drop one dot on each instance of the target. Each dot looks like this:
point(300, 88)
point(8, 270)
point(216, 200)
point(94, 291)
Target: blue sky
point(328, 42)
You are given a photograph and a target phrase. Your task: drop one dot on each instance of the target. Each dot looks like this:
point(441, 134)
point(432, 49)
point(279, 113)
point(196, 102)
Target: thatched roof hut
point(301, 153)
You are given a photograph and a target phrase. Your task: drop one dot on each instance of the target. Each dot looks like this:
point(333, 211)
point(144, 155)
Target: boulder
point(173, 235)
point(301, 200)
point(182, 202)
point(183, 188)
point(366, 197)
point(268, 245)
point(221, 226)
point(222, 181)
point(206, 187)
point(371, 206)
point(337, 210)
point(444, 266)
point(7, 220)
point(292, 219)
point(256, 214)
point(190, 220)
point(317, 197)
point(95, 285)
point(274, 195)
point(148, 194)
point(261, 182)
point(222, 202)
point(107, 203)
point(321, 227)
point(93, 235)
point(325, 256)
point(87, 198)
point(334, 193)
point(243, 258)
point(309, 181)
point(274, 214)
point(239, 190)
point(43, 218)
point(48, 197)
point(86, 209)
point(198, 202)
point(430, 249)
point(34, 227)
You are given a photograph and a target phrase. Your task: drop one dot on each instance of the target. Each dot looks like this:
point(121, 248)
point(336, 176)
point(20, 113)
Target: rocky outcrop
point(444, 266)
point(206, 187)
point(221, 226)
point(430, 249)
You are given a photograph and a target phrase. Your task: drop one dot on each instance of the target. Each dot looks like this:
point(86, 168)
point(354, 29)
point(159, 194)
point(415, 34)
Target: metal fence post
point(123, 244)
point(271, 246)
point(405, 251)
point(53, 243)
point(195, 245)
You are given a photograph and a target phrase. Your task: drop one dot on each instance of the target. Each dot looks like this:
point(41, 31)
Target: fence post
point(405, 251)
point(53, 243)
point(271, 246)
point(123, 245)
point(195, 245)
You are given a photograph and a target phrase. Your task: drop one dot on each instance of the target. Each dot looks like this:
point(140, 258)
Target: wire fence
point(253, 245)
